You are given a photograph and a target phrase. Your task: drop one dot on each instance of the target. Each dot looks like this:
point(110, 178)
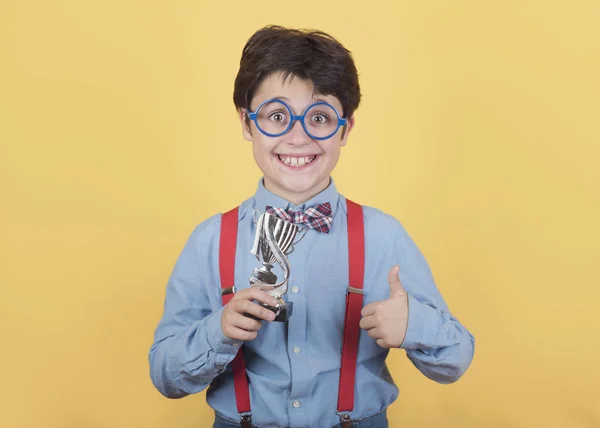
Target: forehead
point(299, 93)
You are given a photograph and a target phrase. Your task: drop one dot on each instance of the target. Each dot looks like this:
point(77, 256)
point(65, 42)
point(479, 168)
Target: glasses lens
point(273, 117)
point(321, 121)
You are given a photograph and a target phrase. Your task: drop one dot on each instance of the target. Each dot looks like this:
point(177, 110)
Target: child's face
point(284, 175)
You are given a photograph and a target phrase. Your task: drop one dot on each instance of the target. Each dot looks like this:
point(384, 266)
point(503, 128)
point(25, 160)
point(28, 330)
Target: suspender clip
point(246, 420)
point(345, 420)
point(355, 291)
point(227, 290)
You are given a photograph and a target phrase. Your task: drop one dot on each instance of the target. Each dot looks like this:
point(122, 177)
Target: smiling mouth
point(296, 161)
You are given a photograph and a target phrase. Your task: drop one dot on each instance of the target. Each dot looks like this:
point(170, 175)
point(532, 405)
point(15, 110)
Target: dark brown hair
point(306, 54)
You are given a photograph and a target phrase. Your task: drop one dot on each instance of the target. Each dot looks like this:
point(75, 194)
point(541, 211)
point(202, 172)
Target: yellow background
point(479, 130)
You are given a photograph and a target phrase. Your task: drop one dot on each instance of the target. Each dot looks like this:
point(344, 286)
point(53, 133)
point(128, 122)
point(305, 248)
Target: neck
point(295, 197)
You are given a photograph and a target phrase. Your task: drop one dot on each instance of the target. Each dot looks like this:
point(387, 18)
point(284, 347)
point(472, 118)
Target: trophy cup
point(273, 240)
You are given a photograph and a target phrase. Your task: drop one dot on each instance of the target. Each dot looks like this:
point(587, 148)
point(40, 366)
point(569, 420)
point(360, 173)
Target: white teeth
point(295, 161)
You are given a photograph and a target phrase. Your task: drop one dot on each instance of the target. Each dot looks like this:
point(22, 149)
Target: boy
point(293, 368)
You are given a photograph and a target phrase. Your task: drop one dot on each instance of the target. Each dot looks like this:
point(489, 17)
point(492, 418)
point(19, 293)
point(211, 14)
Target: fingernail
point(271, 316)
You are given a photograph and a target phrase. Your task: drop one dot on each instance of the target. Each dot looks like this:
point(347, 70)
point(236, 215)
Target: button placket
point(297, 338)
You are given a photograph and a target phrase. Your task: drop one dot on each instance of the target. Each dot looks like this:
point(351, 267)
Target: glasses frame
point(293, 118)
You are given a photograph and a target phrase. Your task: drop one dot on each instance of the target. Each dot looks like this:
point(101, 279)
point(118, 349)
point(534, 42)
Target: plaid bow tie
point(317, 217)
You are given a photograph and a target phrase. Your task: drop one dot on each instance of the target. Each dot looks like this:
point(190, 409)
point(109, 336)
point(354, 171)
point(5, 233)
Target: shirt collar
point(264, 197)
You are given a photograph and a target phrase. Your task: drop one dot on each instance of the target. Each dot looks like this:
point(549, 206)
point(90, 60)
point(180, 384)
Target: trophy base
point(282, 312)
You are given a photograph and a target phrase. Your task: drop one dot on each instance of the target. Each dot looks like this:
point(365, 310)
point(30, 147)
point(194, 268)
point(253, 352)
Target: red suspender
point(227, 245)
point(354, 303)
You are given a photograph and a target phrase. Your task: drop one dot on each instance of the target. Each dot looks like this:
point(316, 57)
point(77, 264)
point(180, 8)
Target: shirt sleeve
point(436, 342)
point(189, 348)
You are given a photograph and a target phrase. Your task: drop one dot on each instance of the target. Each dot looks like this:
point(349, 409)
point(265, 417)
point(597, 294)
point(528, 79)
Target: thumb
point(396, 287)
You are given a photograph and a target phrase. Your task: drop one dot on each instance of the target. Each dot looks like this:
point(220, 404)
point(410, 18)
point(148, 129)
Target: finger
point(254, 293)
point(367, 323)
point(396, 287)
point(369, 309)
point(245, 323)
point(251, 308)
point(375, 333)
point(236, 333)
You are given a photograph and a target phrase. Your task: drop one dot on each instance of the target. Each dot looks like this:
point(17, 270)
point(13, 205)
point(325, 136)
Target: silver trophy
point(273, 240)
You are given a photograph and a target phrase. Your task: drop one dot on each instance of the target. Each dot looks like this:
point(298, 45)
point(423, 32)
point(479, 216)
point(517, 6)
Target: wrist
point(422, 327)
point(217, 339)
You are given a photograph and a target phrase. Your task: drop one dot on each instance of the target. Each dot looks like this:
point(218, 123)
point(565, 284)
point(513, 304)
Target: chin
point(303, 188)
point(301, 183)
point(300, 190)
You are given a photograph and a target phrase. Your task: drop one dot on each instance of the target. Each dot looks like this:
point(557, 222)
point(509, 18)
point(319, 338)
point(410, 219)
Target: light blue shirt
point(294, 367)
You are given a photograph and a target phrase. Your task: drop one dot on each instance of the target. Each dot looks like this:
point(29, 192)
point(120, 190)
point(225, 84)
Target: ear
point(246, 124)
point(347, 130)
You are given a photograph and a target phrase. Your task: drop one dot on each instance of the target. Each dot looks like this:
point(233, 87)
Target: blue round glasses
point(275, 118)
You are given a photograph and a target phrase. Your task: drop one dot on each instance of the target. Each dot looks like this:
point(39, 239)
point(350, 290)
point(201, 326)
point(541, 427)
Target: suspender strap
point(227, 246)
point(354, 304)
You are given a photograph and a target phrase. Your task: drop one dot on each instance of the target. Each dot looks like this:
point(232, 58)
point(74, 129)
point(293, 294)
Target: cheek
point(262, 150)
point(258, 152)
point(334, 157)
point(332, 150)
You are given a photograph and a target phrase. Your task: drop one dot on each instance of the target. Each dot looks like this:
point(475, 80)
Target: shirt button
point(295, 289)
point(296, 350)
point(296, 403)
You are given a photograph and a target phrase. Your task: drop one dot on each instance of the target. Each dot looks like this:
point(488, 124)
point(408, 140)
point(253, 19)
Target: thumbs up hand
point(386, 321)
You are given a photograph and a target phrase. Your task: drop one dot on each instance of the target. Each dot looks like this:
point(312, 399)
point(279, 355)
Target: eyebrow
point(287, 99)
point(284, 98)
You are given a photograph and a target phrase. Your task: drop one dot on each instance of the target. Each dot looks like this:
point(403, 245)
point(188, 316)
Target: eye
point(277, 116)
point(319, 118)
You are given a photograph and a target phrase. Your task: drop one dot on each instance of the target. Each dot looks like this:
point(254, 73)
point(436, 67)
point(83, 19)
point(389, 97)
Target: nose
point(296, 134)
